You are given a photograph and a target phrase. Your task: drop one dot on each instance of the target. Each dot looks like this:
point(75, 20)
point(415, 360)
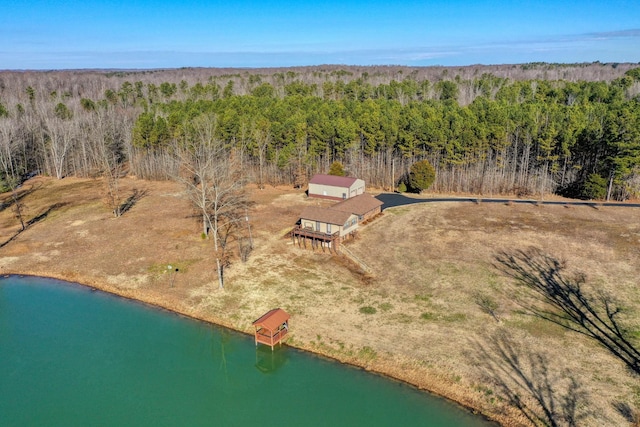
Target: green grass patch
point(428, 316)
point(486, 391)
point(422, 297)
point(538, 327)
point(385, 306)
point(170, 267)
point(397, 211)
point(402, 318)
point(366, 353)
point(367, 309)
point(455, 317)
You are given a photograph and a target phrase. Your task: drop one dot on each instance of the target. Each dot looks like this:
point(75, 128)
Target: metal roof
point(326, 215)
point(333, 180)
point(358, 205)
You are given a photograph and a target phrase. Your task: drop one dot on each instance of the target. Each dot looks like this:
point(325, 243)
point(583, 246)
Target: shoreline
point(86, 282)
point(415, 320)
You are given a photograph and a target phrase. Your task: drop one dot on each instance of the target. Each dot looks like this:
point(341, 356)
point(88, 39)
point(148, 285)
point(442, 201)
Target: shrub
point(336, 169)
point(368, 310)
point(402, 187)
point(421, 176)
point(595, 187)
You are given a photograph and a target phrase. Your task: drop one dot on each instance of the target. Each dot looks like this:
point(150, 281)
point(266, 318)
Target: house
point(335, 187)
point(328, 221)
point(365, 206)
point(325, 227)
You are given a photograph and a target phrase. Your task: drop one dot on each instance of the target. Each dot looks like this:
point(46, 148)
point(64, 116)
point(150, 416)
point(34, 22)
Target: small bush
point(402, 187)
point(428, 316)
point(368, 310)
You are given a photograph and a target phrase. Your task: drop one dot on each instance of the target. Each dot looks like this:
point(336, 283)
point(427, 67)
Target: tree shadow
point(19, 195)
point(523, 379)
point(629, 413)
point(562, 299)
point(127, 205)
point(36, 219)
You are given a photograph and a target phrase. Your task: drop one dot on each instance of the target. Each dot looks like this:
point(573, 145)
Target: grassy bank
point(435, 310)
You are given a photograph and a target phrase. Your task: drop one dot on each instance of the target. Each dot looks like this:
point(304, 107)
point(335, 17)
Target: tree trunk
point(610, 186)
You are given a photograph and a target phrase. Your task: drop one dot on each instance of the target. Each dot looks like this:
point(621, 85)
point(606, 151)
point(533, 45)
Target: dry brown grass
point(415, 317)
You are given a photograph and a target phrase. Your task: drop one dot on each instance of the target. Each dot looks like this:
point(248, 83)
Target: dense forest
point(529, 129)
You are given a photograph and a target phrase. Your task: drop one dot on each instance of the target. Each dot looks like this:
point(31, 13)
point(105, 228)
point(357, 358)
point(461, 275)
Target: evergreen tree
point(336, 169)
point(421, 176)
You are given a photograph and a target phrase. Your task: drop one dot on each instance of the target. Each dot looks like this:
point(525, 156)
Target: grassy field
point(434, 310)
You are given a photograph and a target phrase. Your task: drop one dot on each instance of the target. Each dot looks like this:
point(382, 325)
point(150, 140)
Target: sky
point(146, 34)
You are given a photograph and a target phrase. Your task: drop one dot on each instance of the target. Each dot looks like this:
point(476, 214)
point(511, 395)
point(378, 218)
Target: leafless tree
point(214, 185)
point(262, 137)
point(107, 152)
point(57, 138)
point(9, 143)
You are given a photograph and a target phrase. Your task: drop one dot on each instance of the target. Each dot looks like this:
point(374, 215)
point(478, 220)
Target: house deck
point(318, 238)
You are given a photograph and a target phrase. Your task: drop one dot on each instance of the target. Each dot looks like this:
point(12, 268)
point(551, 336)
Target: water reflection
point(70, 357)
point(267, 361)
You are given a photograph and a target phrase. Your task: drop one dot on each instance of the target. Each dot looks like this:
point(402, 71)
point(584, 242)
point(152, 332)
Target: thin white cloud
point(567, 48)
point(634, 33)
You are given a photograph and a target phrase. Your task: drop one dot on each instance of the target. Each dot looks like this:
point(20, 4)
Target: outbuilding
point(335, 187)
point(272, 327)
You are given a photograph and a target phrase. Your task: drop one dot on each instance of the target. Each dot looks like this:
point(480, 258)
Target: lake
point(70, 355)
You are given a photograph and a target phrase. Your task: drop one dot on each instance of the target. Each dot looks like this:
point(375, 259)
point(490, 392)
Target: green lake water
point(70, 356)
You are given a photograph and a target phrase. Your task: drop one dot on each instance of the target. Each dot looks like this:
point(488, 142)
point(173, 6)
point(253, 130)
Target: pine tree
point(421, 176)
point(336, 169)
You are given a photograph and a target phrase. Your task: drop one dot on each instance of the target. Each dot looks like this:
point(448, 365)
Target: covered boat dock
point(272, 327)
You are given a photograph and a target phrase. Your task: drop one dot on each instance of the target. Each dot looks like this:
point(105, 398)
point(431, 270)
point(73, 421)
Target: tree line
point(484, 134)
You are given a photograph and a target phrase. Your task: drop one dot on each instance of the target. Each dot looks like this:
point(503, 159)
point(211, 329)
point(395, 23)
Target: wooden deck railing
point(271, 340)
point(313, 234)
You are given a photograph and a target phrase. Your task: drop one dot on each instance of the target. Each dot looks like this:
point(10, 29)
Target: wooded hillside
point(527, 129)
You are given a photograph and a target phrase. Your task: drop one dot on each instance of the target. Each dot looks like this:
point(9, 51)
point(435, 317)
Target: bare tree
point(214, 185)
point(11, 176)
point(109, 156)
point(262, 138)
point(57, 138)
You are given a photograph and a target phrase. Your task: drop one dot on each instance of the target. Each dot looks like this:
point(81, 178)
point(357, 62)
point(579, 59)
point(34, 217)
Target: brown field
point(415, 316)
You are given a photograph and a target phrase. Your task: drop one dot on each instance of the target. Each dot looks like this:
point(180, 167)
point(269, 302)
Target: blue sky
point(61, 34)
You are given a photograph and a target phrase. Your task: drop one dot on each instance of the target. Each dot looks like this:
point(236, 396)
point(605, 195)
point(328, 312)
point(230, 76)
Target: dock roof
point(272, 319)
